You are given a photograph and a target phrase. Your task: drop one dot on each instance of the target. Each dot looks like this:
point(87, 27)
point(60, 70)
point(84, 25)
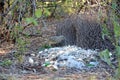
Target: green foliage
point(46, 64)
point(21, 48)
point(38, 13)
point(6, 62)
point(15, 34)
point(118, 51)
point(105, 31)
point(114, 5)
point(105, 56)
point(32, 20)
point(115, 21)
point(71, 6)
point(45, 46)
point(116, 30)
point(60, 8)
point(21, 44)
point(47, 12)
point(117, 71)
point(90, 65)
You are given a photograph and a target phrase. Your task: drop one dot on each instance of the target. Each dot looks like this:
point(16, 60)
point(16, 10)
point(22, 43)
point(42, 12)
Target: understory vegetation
point(17, 15)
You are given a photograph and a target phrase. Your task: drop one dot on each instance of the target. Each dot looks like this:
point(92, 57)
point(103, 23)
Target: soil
point(18, 71)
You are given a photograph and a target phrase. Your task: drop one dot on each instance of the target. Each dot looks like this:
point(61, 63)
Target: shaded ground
point(84, 76)
point(21, 72)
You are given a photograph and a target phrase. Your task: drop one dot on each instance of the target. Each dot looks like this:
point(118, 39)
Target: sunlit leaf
point(35, 23)
point(38, 13)
point(47, 12)
point(29, 20)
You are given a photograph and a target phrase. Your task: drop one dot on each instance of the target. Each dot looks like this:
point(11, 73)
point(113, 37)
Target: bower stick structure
point(84, 31)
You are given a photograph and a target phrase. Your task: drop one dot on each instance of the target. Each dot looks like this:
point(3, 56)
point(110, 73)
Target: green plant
point(117, 71)
point(47, 63)
point(33, 20)
point(105, 56)
point(45, 46)
point(116, 30)
point(6, 62)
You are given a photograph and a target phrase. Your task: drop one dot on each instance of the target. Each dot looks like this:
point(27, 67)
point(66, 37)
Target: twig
point(10, 8)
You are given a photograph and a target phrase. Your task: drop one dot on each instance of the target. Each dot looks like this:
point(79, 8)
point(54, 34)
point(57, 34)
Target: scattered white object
point(94, 63)
point(68, 56)
point(30, 60)
point(110, 54)
point(33, 55)
point(72, 63)
point(24, 72)
point(55, 67)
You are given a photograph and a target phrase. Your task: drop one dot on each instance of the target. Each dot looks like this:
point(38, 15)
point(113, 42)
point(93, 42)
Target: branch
point(10, 8)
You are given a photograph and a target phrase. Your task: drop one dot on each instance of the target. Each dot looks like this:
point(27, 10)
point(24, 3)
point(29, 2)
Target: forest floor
point(35, 42)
